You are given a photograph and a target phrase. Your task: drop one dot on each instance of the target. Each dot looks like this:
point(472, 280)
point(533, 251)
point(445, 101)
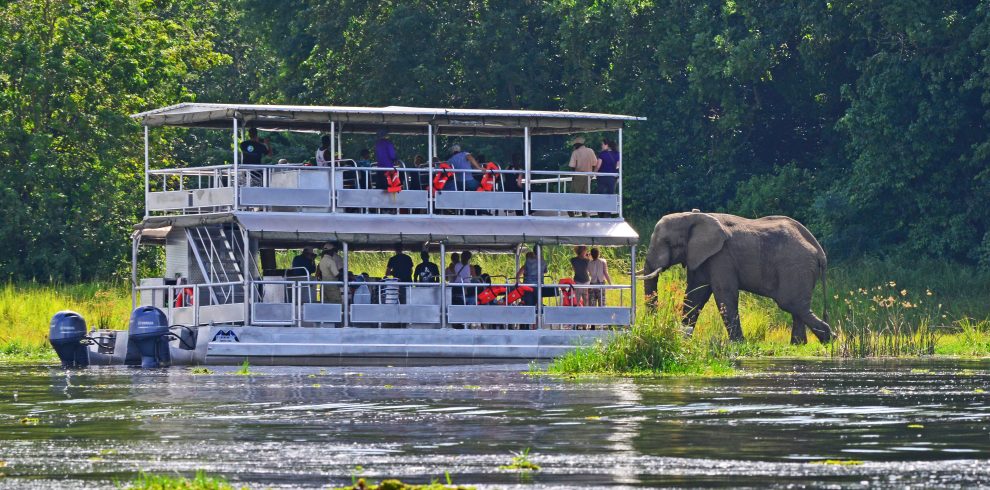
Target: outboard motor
point(149, 332)
point(66, 334)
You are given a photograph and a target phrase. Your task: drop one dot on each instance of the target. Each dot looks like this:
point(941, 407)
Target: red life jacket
point(184, 298)
point(490, 294)
point(442, 176)
point(487, 183)
point(517, 294)
point(392, 179)
point(568, 296)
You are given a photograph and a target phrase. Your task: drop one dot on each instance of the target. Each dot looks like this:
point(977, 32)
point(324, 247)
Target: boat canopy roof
point(383, 230)
point(394, 119)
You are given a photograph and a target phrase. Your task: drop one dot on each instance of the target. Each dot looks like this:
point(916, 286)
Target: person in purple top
point(608, 163)
point(385, 156)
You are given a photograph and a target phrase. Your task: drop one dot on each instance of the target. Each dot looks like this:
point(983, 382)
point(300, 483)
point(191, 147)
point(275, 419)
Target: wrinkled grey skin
point(774, 256)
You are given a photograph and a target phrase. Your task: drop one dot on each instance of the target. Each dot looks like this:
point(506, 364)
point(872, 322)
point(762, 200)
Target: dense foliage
point(865, 120)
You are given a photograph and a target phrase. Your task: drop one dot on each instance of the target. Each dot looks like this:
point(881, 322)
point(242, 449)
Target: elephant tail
point(823, 267)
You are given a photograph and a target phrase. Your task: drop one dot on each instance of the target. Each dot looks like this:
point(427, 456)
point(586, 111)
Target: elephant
point(773, 256)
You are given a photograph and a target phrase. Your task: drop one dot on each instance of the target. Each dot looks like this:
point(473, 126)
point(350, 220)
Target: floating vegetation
point(30, 421)
point(839, 462)
point(915, 426)
point(245, 369)
point(521, 462)
point(200, 481)
point(391, 484)
point(201, 370)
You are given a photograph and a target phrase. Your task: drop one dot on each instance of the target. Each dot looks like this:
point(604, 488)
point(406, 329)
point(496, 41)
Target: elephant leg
point(727, 300)
point(697, 297)
point(817, 326)
point(799, 335)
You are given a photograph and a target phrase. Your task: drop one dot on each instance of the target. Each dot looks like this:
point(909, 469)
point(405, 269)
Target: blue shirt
point(610, 161)
point(385, 153)
point(459, 161)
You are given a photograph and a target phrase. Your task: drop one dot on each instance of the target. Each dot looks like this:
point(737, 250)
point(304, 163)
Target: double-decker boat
point(222, 297)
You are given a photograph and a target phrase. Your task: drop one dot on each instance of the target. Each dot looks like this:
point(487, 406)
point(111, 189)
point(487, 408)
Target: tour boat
point(222, 297)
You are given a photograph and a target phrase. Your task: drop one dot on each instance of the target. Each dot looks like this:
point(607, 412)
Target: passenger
point(471, 293)
point(513, 181)
point(323, 156)
point(364, 159)
point(328, 271)
point(449, 276)
point(580, 263)
point(598, 270)
point(305, 260)
point(426, 271)
point(462, 160)
point(583, 159)
point(337, 259)
point(531, 275)
point(252, 152)
point(462, 273)
point(400, 265)
point(386, 158)
point(608, 162)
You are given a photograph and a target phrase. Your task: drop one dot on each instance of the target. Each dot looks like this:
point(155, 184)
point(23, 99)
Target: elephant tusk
point(650, 275)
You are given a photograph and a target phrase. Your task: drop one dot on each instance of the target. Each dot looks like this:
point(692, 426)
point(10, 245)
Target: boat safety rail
point(195, 304)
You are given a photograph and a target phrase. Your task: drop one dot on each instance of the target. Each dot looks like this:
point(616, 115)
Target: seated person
point(462, 160)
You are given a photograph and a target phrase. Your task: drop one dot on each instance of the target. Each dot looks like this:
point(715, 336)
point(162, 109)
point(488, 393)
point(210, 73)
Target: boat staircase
point(219, 254)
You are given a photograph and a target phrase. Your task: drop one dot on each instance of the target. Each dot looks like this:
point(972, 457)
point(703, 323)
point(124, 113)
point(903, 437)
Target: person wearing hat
point(583, 159)
point(386, 158)
point(328, 271)
point(305, 260)
point(462, 160)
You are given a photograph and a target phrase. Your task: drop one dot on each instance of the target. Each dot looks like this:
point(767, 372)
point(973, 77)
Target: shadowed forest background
point(867, 121)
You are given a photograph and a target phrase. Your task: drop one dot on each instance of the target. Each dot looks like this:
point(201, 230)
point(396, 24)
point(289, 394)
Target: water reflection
point(907, 423)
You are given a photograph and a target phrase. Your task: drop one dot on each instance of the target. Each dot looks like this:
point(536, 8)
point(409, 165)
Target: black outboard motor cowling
point(66, 333)
point(149, 332)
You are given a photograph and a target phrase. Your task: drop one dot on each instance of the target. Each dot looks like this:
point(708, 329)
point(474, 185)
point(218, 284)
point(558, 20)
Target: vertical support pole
point(346, 313)
point(632, 282)
point(147, 167)
point(621, 158)
point(246, 276)
point(539, 286)
point(235, 175)
point(429, 165)
point(135, 244)
point(528, 165)
point(340, 143)
point(443, 284)
point(333, 170)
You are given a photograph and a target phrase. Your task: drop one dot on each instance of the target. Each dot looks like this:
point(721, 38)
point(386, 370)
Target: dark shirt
point(300, 261)
point(401, 267)
point(512, 180)
point(610, 161)
point(580, 265)
point(427, 272)
point(385, 154)
point(252, 152)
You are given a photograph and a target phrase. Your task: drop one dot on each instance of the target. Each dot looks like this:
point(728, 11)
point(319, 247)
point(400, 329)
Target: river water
point(893, 423)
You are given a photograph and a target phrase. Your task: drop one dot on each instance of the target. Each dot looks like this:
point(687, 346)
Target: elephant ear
point(706, 238)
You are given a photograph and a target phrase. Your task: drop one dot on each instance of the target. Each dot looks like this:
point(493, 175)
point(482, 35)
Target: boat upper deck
point(344, 186)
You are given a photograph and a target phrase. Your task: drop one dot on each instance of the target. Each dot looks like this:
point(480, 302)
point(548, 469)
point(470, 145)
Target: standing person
point(400, 265)
point(583, 159)
point(449, 276)
point(252, 151)
point(608, 162)
point(462, 160)
point(598, 270)
point(386, 158)
point(305, 260)
point(582, 279)
point(531, 274)
point(426, 271)
point(323, 156)
point(327, 270)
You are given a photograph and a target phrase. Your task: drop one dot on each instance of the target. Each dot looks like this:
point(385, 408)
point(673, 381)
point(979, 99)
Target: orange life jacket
point(517, 294)
point(442, 176)
point(490, 294)
point(568, 296)
point(487, 183)
point(392, 179)
point(184, 298)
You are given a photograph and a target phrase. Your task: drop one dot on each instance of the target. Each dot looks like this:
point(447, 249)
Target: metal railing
point(184, 304)
point(346, 187)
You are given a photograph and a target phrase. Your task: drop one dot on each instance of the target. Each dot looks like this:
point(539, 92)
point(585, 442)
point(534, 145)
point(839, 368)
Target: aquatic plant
point(839, 462)
point(200, 370)
point(244, 370)
point(521, 462)
point(200, 481)
point(392, 484)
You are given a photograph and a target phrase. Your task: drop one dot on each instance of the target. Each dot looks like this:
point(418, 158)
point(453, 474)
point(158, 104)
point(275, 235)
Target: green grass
point(27, 309)
point(200, 481)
